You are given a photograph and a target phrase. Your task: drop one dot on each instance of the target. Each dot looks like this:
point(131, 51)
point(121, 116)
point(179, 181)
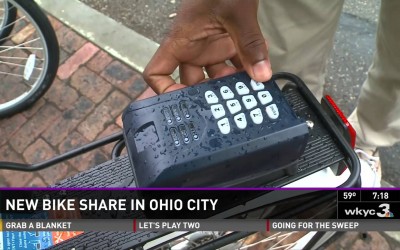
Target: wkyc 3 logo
point(383, 213)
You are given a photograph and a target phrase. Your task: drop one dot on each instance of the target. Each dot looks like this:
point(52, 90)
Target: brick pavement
point(85, 103)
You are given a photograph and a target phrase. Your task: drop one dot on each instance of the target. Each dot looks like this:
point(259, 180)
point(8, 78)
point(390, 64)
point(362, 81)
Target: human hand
point(206, 34)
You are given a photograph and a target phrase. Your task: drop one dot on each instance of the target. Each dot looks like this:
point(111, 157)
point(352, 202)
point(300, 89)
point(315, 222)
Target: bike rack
point(350, 158)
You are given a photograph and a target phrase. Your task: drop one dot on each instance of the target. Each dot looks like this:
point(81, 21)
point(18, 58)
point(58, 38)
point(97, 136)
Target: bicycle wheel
point(28, 57)
point(7, 17)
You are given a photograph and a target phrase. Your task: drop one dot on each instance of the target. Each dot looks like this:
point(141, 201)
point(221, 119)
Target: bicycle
point(29, 55)
point(329, 149)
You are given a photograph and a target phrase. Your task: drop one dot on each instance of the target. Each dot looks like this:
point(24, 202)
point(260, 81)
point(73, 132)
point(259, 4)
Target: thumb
point(250, 44)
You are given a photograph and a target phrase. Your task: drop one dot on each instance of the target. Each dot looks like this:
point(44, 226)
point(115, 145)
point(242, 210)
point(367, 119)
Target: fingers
point(236, 62)
point(220, 70)
point(253, 54)
point(158, 71)
point(218, 49)
point(191, 58)
point(190, 74)
point(206, 34)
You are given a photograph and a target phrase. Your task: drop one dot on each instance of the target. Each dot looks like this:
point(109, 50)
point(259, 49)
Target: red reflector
point(350, 128)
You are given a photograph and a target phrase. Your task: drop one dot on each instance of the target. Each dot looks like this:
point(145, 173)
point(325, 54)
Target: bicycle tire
point(50, 66)
point(7, 24)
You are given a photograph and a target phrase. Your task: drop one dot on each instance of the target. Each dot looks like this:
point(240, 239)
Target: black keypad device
point(227, 132)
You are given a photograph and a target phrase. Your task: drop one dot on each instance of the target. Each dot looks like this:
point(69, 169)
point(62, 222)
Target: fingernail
point(262, 71)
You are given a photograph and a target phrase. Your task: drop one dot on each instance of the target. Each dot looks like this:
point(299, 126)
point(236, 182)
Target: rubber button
point(224, 126)
point(184, 133)
point(211, 97)
point(249, 101)
point(240, 121)
point(272, 111)
point(265, 97)
point(226, 93)
point(241, 88)
point(218, 111)
point(192, 129)
point(175, 112)
point(184, 109)
point(174, 135)
point(233, 106)
point(167, 115)
point(256, 116)
point(257, 85)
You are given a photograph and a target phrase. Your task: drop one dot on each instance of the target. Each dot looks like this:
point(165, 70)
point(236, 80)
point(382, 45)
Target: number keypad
point(248, 102)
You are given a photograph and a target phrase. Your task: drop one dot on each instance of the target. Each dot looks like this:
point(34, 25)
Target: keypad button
point(184, 109)
point(241, 88)
point(233, 106)
point(226, 93)
point(174, 135)
point(256, 116)
point(218, 111)
point(272, 111)
point(184, 133)
point(175, 112)
point(211, 97)
point(249, 101)
point(240, 121)
point(192, 129)
point(224, 126)
point(167, 115)
point(264, 97)
point(257, 85)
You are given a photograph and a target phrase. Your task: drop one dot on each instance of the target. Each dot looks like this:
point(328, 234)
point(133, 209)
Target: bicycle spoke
point(18, 58)
point(20, 46)
point(18, 65)
point(17, 75)
point(27, 63)
point(5, 38)
point(277, 236)
point(12, 23)
point(284, 237)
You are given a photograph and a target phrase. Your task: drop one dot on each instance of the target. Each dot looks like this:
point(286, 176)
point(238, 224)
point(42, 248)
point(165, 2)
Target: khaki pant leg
point(300, 36)
point(377, 117)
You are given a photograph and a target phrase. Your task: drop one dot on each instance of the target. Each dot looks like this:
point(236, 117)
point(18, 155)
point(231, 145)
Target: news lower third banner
point(152, 204)
point(200, 204)
point(38, 219)
point(244, 225)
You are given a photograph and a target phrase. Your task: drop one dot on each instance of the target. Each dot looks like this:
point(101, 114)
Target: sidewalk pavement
point(84, 103)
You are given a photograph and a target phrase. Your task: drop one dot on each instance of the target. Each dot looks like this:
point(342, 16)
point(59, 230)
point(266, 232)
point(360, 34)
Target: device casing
point(242, 158)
